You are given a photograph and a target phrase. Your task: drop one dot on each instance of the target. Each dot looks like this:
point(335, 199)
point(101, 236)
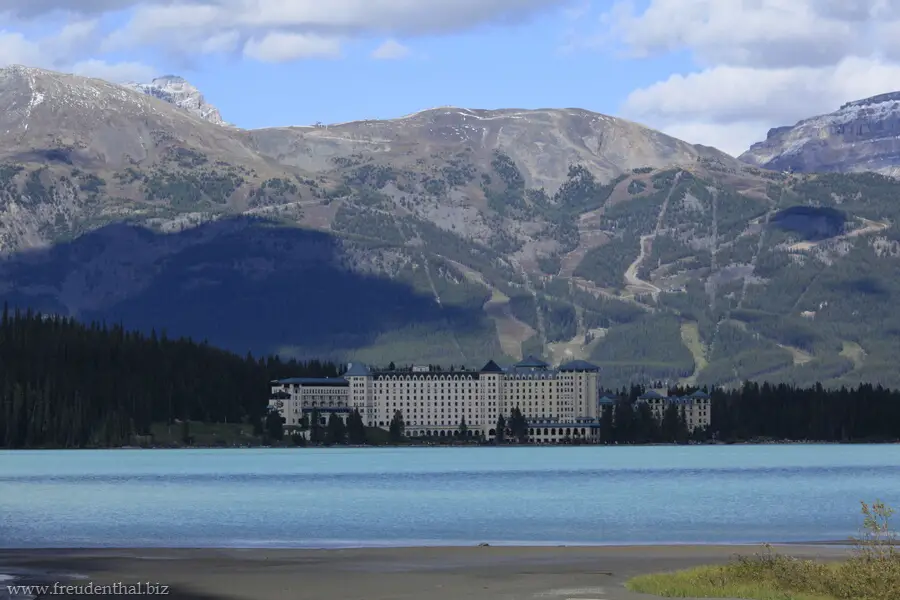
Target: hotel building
point(558, 403)
point(696, 407)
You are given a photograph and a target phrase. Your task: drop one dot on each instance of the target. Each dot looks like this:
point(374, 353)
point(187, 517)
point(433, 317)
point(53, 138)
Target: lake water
point(440, 496)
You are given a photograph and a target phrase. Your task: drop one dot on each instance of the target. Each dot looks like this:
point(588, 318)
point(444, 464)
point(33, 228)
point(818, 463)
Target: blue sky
point(718, 72)
point(522, 66)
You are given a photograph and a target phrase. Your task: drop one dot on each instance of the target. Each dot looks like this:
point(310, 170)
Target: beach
point(436, 573)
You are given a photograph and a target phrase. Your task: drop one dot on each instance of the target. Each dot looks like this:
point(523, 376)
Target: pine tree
point(274, 426)
point(518, 425)
point(336, 432)
point(500, 435)
point(356, 429)
point(315, 427)
point(66, 384)
point(462, 431)
point(396, 428)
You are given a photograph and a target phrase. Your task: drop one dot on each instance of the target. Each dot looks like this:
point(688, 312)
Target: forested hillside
point(762, 413)
point(69, 385)
point(65, 384)
point(448, 236)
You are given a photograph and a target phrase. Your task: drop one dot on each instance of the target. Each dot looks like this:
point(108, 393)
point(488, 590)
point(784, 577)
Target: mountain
point(175, 90)
point(860, 136)
point(448, 236)
point(542, 143)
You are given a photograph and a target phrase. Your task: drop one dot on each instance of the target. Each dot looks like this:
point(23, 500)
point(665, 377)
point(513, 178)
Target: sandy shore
point(476, 573)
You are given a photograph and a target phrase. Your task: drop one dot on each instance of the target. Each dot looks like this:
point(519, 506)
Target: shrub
point(871, 573)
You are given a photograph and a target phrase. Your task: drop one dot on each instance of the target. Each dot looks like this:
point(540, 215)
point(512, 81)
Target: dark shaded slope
point(242, 284)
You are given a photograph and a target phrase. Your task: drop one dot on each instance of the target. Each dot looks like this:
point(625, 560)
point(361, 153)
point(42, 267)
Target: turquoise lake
point(440, 496)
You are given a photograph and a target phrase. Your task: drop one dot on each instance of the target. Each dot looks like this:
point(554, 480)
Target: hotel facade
point(558, 403)
point(561, 403)
point(696, 408)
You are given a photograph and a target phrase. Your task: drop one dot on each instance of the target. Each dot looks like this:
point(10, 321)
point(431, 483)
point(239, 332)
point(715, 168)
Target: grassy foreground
point(872, 573)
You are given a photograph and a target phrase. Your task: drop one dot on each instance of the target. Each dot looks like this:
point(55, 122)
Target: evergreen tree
point(274, 426)
point(607, 428)
point(356, 429)
point(65, 384)
point(682, 434)
point(624, 427)
point(315, 427)
point(186, 438)
point(500, 435)
point(518, 425)
point(397, 427)
point(336, 432)
point(71, 385)
point(670, 424)
point(462, 430)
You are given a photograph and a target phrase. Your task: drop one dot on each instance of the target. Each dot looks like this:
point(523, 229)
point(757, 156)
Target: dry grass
point(872, 573)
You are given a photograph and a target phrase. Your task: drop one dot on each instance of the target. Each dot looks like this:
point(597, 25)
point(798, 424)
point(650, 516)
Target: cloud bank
point(763, 63)
point(261, 30)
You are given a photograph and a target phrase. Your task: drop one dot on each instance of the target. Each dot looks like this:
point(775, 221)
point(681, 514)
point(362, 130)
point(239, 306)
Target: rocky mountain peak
point(863, 135)
point(180, 92)
point(888, 98)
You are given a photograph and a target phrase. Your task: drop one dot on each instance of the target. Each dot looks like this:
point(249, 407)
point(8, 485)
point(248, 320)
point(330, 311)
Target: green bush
point(871, 573)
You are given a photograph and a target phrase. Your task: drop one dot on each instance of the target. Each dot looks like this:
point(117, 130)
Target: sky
point(716, 72)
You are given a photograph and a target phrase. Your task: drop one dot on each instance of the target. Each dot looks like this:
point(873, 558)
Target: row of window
point(533, 432)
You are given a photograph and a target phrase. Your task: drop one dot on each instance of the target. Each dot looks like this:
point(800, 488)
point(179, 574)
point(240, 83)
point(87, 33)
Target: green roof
point(531, 362)
point(357, 370)
point(578, 365)
point(491, 367)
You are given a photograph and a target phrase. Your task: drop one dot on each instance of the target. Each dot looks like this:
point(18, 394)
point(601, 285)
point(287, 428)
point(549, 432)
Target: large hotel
point(558, 403)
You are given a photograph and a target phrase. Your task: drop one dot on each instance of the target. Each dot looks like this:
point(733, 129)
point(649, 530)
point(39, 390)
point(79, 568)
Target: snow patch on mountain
point(178, 91)
point(873, 122)
point(863, 135)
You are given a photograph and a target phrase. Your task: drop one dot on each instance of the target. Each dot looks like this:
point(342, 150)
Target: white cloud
point(390, 50)
point(117, 72)
point(283, 47)
point(764, 63)
point(732, 94)
point(736, 32)
point(887, 37)
point(264, 30)
point(68, 49)
point(16, 49)
point(733, 139)
point(186, 23)
point(221, 43)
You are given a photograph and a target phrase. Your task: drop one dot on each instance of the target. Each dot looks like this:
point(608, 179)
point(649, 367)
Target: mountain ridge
point(178, 91)
point(554, 232)
point(862, 135)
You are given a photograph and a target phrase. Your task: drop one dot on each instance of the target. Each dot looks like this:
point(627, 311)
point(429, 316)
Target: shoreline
point(526, 445)
point(436, 546)
point(440, 572)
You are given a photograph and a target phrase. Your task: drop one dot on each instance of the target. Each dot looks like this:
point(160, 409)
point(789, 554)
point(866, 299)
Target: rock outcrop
point(863, 135)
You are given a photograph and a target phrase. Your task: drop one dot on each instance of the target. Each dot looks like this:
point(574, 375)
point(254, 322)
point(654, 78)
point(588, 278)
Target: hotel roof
point(531, 362)
point(578, 365)
point(491, 367)
point(316, 381)
point(357, 370)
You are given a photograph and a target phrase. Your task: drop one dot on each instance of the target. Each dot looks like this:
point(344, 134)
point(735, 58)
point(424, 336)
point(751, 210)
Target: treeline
point(784, 412)
point(762, 412)
point(70, 385)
